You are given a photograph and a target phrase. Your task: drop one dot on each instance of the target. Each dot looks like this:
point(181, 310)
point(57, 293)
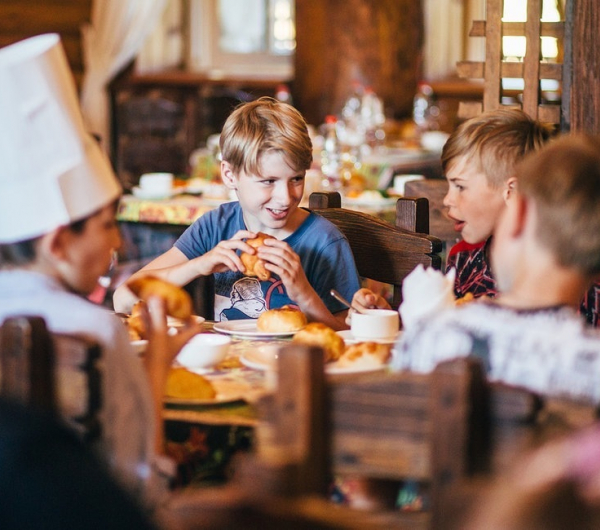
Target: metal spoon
point(340, 298)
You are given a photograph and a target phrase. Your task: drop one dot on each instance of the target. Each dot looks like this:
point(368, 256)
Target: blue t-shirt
point(324, 253)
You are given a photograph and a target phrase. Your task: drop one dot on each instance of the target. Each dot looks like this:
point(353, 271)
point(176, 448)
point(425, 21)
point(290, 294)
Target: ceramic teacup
point(204, 350)
point(375, 324)
point(156, 183)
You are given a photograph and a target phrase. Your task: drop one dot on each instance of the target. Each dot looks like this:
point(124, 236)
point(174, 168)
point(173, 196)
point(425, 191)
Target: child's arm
point(367, 299)
point(160, 353)
point(284, 262)
point(173, 266)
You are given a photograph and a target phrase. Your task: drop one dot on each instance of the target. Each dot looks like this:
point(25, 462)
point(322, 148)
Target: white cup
point(204, 350)
point(401, 180)
point(157, 183)
point(375, 324)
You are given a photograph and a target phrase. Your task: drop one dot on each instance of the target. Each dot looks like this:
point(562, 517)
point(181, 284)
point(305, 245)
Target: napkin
point(424, 293)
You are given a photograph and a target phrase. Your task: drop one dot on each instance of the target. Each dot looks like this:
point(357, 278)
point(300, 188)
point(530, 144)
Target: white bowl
point(204, 350)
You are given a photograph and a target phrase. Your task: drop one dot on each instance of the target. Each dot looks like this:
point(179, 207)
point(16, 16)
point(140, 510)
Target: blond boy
point(545, 252)
point(266, 151)
point(478, 160)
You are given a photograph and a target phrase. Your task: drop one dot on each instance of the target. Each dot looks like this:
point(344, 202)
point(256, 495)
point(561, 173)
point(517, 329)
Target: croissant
point(177, 301)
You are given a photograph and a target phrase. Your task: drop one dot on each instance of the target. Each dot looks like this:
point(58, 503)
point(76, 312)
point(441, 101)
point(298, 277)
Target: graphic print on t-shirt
point(249, 297)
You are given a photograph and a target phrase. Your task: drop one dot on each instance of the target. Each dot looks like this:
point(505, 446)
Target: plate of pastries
point(186, 387)
point(339, 357)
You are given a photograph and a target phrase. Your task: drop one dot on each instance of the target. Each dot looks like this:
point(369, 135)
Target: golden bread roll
point(183, 384)
point(135, 323)
point(253, 265)
point(365, 354)
point(317, 334)
point(281, 319)
point(465, 299)
point(177, 301)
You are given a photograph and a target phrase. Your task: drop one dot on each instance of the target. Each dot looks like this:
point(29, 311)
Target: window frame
point(205, 56)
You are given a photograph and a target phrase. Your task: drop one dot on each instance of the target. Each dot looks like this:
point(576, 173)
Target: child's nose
point(283, 193)
point(447, 202)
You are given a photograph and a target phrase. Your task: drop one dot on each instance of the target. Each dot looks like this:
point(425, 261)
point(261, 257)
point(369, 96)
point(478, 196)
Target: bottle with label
point(283, 94)
point(373, 118)
point(331, 156)
point(423, 108)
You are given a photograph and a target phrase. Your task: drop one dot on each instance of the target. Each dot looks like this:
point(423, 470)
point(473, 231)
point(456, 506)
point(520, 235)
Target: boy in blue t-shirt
point(266, 150)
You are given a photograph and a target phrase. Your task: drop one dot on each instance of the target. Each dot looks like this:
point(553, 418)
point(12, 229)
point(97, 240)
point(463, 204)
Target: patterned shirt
point(473, 272)
point(590, 305)
point(550, 351)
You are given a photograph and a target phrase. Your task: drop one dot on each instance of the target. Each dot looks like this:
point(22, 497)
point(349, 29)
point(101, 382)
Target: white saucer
point(346, 334)
point(141, 193)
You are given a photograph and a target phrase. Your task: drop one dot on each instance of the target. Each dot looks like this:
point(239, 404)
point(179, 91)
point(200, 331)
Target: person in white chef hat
point(58, 196)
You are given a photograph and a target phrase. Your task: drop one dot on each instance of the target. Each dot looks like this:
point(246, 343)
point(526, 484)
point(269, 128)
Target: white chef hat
point(52, 172)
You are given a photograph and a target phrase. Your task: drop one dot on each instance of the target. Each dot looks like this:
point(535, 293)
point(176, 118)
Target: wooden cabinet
point(159, 120)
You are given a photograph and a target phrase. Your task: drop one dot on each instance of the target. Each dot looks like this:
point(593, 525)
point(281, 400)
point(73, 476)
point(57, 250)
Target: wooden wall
point(339, 41)
point(20, 19)
point(583, 28)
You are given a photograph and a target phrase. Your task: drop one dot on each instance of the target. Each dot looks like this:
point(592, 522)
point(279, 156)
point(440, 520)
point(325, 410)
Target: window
point(224, 38)
point(242, 37)
point(513, 48)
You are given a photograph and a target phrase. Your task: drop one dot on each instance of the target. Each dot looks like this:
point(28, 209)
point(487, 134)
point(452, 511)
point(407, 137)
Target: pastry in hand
point(317, 334)
point(183, 384)
point(178, 302)
point(281, 320)
point(253, 265)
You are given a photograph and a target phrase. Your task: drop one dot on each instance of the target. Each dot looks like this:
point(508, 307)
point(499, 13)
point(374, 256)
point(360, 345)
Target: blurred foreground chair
point(54, 372)
point(450, 429)
point(384, 252)
point(434, 428)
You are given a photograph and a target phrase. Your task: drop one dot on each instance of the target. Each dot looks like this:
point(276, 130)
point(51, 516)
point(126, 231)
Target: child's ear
point(510, 188)
point(228, 176)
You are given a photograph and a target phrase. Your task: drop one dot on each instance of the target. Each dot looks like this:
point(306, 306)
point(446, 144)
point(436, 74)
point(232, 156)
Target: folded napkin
point(424, 293)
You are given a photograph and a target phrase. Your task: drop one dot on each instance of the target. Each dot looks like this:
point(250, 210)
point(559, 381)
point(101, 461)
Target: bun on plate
point(365, 355)
point(178, 302)
point(253, 265)
point(317, 334)
point(135, 323)
point(183, 384)
point(281, 319)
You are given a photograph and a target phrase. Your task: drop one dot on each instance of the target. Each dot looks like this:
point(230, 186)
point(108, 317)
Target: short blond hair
point(563, 180)
point(495, 140)
point(265, 125)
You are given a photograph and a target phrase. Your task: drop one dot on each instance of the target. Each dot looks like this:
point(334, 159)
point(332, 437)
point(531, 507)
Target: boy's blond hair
point(495, 140)
point(563, 180)
point(265, 125)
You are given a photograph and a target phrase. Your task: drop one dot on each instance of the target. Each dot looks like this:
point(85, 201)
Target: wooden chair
point(382, 251)
point(56, 372)
point(451, 429)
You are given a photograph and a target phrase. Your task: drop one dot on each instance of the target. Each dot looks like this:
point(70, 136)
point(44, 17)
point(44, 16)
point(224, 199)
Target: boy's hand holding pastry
point(280, 259)
point(224, 257)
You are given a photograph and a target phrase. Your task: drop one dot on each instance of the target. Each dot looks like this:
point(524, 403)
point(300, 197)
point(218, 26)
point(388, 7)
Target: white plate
point(351, 339)
point(227, 392)
point(141, 193)
point(139, 346)
point(173, 322)
point(264, 358)
point(247, 329)
point(384, 202)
